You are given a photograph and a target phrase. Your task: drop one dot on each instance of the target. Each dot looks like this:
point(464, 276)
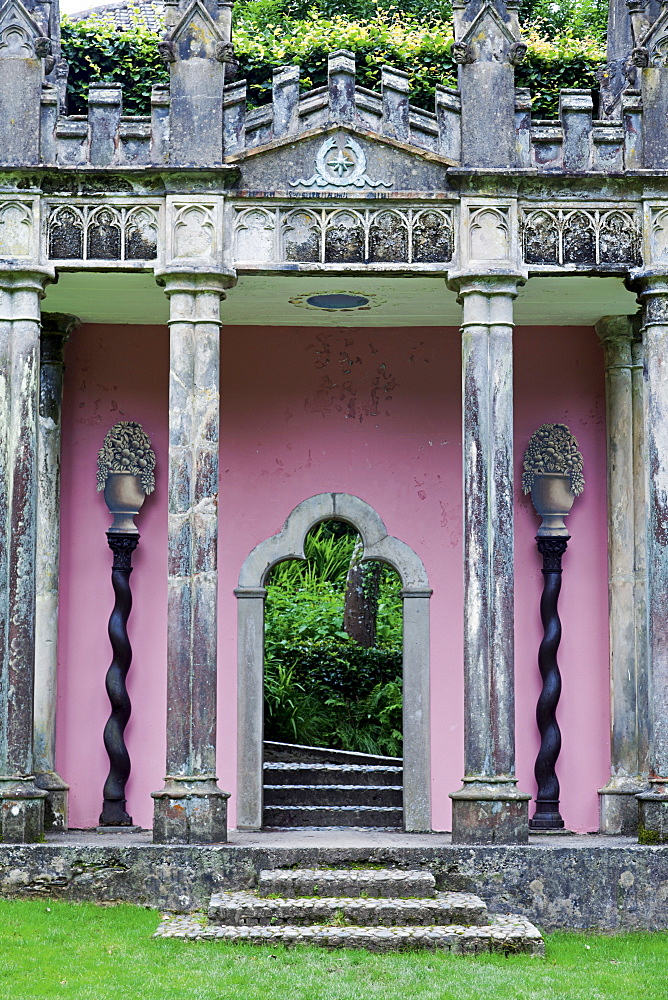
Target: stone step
point(377, 883)
point(359, 816)
point(506, 934)
point(333, 795)
point(323, 755)
point(245, 909)
point(286, 773)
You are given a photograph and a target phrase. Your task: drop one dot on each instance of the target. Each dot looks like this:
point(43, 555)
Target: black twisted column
point(113, 810)
point(547, 815)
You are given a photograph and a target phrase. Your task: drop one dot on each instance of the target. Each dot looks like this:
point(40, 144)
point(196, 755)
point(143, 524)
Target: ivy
point(266, 36)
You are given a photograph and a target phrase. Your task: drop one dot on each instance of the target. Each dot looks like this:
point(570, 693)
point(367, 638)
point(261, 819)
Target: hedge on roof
point(97, 50)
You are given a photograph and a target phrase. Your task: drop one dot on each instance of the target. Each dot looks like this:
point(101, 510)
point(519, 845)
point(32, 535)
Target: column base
point(190, 810)
point(55, 804)
point(653, 814)
point(489, 811)
point(21, 811)
point(618, 806)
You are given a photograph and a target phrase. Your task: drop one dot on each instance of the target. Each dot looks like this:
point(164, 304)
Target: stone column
point(653, 804)
point(21, 802)
point(56, 328)
point(626, 567)
point(489, 808)
point(191, 808)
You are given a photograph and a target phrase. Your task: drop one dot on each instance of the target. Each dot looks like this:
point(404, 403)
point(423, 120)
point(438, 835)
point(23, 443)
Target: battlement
point(201, 117)
point(106, 137)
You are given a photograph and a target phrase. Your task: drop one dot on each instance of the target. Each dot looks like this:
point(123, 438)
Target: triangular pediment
point(196, 34)
point(487, 32)
point(18, 32)
point(341, 161)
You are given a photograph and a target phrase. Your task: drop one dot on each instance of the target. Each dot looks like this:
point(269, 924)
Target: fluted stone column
point(489, 808)
point(56, 328)
point(653, 804)
point(627, 567)
point(191, 808)
point(21, 802)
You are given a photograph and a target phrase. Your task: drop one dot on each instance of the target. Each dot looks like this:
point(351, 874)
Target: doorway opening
point(255, 578)
point(333, 686)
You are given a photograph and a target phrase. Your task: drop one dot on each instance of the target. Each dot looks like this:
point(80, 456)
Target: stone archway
point(288, 543)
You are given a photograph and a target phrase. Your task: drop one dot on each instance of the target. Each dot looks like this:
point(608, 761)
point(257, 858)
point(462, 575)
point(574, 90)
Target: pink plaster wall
point(374, 413)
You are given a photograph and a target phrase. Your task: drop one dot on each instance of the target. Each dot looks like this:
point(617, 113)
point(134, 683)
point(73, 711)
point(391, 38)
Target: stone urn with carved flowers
point(553, 476)
point(126, 473)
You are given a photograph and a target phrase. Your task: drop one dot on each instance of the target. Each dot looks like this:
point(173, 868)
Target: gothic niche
point(104, 236)
point(579, 239)
point(541, 239)
point(301, 237)
point(388, 239)
point(254, 238)
point(344, 239)
point(432, 238)
point(619, 240)
point(141, 235)
point(66, 234)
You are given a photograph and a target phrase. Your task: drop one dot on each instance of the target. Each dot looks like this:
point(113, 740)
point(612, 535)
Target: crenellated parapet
point(201, 119)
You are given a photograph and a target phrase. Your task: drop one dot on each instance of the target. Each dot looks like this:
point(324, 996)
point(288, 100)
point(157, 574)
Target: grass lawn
point(84, 952)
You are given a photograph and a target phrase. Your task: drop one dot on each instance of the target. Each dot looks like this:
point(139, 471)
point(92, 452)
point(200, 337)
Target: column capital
point(491, 284)
point(174, 281)
point(617, 334)
point(24, 277)
point(56, 331)
point(647, 281)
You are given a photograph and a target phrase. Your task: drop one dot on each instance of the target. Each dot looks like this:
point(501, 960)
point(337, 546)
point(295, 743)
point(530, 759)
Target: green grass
point(83, 952)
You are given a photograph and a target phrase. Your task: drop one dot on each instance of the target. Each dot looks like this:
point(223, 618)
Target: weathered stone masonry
point(337, 181)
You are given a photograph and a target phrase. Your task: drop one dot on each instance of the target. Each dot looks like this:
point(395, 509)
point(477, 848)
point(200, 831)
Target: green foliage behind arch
point(266, 37)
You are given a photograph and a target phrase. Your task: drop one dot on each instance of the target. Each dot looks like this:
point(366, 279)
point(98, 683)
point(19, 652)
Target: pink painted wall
point(374, 413)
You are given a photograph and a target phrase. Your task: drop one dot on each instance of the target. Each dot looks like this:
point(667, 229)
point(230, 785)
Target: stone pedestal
point(191, 808)
point(489, 808)
point(21, 802)
point(56, 328)
point(653, 814)
point(653, 804)
point(627, 571)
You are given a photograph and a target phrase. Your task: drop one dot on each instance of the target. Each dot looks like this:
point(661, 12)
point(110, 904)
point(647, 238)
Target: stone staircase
point(307, 786)
point(376, 909)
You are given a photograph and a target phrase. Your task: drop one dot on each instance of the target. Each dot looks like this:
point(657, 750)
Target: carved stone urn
point(125, 471)
point(552, 498)
point(553, 476)
point(124, 496)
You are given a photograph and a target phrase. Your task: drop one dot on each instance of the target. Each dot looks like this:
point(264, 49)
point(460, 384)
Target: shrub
point(266, 36)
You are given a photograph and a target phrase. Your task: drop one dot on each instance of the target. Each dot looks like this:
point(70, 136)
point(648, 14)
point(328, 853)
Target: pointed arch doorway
point(288, 543)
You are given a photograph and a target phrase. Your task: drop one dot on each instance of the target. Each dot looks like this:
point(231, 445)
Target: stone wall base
point(490, 813)
point(577, 883)
point(618, 807)
point(190, 811)
point(21, 811)
point(55, 804)
point(653, 817)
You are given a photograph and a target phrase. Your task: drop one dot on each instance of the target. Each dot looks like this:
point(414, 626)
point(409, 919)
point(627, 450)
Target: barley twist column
point(56, 329)
point(489, 808)
point(626, 565)
point(191, 808)
point(653, 804)
point(21, 802)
